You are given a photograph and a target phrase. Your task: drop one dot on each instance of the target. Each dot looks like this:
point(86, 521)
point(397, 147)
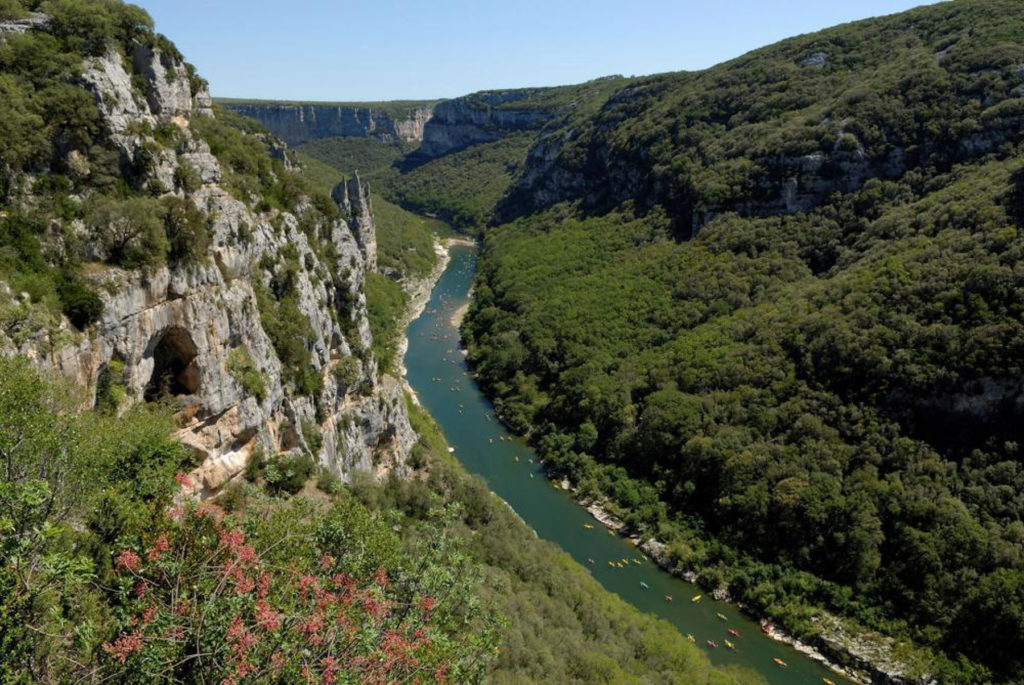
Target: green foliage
point(110, 387)
point(24, 266)
point(243, 369)
point(385, 305)
point(464, 187)
point(328, 483)
point(102, 579)
point(346, 372)
point(405, 241)
point(561, 625)
point(289, 329)
point(131, 231)
point(72, 486)
point(814, 408)
point(287, 473)
point(187, 230)
point(314, 439)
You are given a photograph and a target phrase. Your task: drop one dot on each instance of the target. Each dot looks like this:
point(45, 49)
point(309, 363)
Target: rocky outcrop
point(482, 117)
point(353, 197)
point(32, 22)
point(439, 128)
point(178, 332)
point(298, 123)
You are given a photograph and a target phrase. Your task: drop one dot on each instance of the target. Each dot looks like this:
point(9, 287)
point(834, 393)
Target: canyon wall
point(187, 333)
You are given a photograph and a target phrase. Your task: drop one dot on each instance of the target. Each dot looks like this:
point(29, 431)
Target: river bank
point(418, 290)
point(871, 652)
point(485, 448)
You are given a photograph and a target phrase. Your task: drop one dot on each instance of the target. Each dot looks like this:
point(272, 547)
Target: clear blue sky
point(423, 49)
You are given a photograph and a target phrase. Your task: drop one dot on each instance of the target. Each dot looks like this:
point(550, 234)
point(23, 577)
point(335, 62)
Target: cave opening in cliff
point(175, 371)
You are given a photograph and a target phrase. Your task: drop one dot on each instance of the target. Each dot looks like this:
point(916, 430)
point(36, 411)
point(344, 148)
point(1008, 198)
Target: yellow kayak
point(696, 598)
point(827, 681)
point(730, 645)
point(779, 662)
point(588, 526)
point(690, 637)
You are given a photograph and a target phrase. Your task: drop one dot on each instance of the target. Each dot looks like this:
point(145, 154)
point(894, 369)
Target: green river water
point(438, 373)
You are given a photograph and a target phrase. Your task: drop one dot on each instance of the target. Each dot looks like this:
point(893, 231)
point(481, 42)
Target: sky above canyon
point(405, 49)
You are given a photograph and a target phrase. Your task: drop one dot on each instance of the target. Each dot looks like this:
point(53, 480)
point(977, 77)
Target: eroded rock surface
point(173, 330)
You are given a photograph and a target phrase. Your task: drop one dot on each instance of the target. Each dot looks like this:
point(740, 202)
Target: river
point(437, 371)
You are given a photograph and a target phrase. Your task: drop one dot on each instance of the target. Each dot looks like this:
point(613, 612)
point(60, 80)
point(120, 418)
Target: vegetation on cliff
point(816, 400)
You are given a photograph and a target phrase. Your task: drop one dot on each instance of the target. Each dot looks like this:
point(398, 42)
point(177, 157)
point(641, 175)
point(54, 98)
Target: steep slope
point(770, 313)
point(297, 123)
point(213, 279)
point(471, 149)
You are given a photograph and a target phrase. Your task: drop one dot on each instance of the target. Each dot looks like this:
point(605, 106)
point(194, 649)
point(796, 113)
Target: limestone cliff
point(440, 128)
point(483, 117)
point(298, 123)
point(353, 197)
point(181, 331)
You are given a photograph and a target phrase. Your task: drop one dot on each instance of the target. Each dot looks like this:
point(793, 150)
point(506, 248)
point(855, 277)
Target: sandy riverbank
point(418, 290)
point(655, 550)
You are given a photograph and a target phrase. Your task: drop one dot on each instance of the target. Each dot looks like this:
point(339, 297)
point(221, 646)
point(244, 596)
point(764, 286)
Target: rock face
point(175, 331)
point(298, 123)
point(479, 118)
point(353, 197)
point(784, 183)
point(440, 128)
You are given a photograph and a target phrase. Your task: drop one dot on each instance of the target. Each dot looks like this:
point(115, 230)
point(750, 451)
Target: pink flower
point(266, 617)
point(381, 577)
point(183, 479)
point(160, 545)
point(127, 560)
point(123, 646)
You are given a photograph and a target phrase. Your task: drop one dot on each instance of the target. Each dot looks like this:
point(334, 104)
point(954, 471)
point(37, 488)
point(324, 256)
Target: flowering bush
point(295, 594)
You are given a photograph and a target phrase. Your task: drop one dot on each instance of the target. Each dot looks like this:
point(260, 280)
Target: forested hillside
point(772, 312)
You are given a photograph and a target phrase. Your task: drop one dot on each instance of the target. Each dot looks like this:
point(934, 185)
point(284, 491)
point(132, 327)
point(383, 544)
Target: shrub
point(311, 433)
point(346, 372)
point(131, 231)
point(79, 302)
point(287, 473)
point(110, 390)
point(187, 230)
point(243, 369)
point(329, 483)
point(187, 178)
point(313, 607)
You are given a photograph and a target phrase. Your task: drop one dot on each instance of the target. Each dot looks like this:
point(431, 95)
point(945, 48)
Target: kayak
point(690, 637)
point(668, 598)
point(732, 632)
point(588, 526)
point(696, 598)
point(827, 681)
point(730, 645)
point(721, 616)
point(779, 662)
point(643, 585)
point(712, 644)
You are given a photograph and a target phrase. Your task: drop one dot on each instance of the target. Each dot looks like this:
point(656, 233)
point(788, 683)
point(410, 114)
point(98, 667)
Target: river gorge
point(438, 373)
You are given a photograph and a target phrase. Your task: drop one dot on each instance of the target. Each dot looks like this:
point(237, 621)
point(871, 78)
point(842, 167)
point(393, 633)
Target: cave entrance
point(175, 371)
